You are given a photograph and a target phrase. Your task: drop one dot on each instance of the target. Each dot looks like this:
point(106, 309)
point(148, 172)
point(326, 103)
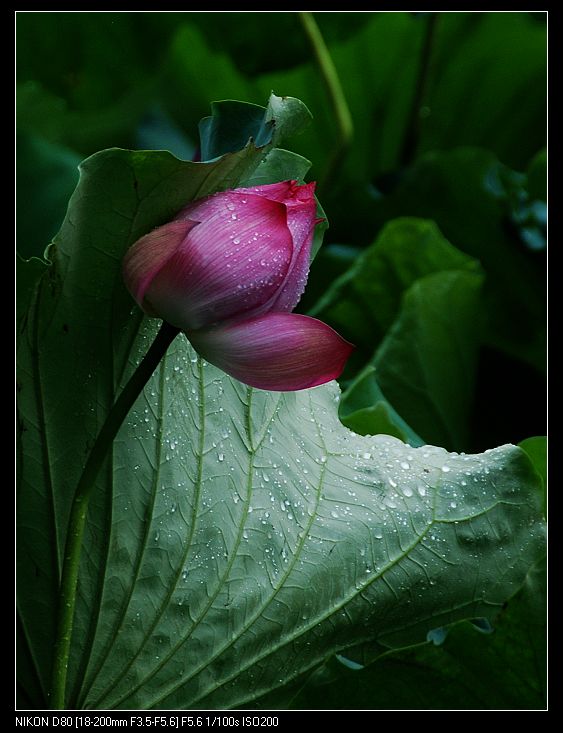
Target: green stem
point(79, 510)
point(341, 111)
point(412, 132)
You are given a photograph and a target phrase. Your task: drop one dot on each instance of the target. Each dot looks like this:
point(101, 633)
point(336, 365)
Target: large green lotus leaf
point(505, 669)
point(236, 538)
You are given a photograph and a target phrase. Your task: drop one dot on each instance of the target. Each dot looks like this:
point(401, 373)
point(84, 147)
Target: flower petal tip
point(279, 352)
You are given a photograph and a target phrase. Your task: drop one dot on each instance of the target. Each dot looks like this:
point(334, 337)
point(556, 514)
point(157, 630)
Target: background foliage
point(434, 263)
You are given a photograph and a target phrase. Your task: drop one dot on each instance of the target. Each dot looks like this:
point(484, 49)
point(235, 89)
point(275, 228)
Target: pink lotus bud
point(237, 258)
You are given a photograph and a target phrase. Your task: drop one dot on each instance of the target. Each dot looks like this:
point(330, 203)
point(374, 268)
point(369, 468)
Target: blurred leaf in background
point(417, 300)
point(47, 176)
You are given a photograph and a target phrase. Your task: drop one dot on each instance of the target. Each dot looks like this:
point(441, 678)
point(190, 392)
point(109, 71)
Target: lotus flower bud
point(227, 271)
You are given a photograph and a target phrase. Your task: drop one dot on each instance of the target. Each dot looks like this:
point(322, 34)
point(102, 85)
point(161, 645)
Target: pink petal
point(301, 220)
point(229, 266)
point(149, 254)
point(277, 351)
